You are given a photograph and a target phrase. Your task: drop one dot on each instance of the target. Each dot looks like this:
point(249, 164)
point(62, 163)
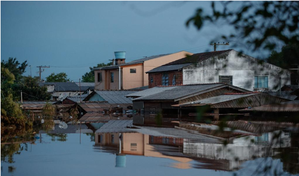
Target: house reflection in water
point(231, 156)
point(189, 153)
point(143, 145)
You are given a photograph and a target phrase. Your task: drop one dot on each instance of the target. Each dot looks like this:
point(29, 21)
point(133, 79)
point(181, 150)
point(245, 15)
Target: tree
point(258, 25)
point(89, 76)
point(60, 77)
point(16, 68)
point(30, 89)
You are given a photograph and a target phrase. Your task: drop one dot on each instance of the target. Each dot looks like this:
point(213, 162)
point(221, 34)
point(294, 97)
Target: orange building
point(123, 76)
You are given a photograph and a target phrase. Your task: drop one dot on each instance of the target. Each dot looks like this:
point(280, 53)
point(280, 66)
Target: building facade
point(123, 76)
point(221, 66)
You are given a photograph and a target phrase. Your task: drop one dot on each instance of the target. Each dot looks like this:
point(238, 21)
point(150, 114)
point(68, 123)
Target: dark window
point(173, 80)
point(133, 70)
point(165, 79)
point(112, 138)
point(99, 77)
point(100, 138)
point(226, 79)
point(112, 77)
point(152, 79)
point(260, 82)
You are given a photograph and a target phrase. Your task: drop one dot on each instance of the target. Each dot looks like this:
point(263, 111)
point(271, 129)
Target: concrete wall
point(132, 80)
point(106, 83)
point(243, 69)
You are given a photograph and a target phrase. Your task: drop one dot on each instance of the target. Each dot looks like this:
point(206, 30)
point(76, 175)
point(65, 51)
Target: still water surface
point(77, 154)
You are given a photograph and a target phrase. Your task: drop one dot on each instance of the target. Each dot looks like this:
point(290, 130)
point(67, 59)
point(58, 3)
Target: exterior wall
point(157, 78)
point(133, 143)
point(153, 63)
point(132, 80)
point(242, 69)
point(106, 83)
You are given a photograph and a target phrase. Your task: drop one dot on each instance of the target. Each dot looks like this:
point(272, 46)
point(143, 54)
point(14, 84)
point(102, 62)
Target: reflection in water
point(187, 153)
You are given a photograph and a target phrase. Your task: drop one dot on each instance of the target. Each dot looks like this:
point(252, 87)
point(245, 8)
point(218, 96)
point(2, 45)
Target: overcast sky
point(70, 37)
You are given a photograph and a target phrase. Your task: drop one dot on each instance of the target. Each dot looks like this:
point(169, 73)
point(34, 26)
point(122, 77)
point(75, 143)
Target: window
point(99, 77)
point(173, 80)
point(152, 79)
point(226, 79)
point(112, 138)
point(112, 77)
point(165, 79)
point(260, 82)
point(99, 138)
point(133, 70)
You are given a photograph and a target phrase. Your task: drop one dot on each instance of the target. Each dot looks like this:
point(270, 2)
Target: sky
point(72, 36)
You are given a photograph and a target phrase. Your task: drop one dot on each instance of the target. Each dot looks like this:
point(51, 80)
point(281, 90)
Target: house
point(123, 76)
point(60, 90)
point(227, 66)
point(198, 102)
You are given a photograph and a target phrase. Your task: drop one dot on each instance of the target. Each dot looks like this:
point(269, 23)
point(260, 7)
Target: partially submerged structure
point(227, 66)
point(162, 105)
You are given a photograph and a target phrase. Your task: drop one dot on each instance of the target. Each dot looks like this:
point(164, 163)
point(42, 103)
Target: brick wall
point(155, 79)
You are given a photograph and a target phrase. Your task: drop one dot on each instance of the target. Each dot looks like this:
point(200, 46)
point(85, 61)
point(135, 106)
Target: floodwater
point(135, 154)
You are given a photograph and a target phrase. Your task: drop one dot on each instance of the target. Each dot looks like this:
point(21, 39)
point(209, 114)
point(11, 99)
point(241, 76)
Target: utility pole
point(40, 71)
point(215, 44)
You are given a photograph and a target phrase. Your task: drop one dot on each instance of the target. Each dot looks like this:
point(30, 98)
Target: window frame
point(165, 79)
point(226, 77)
point(100, 77)
point(133, 70)
point(112, 77)
point(258, 84)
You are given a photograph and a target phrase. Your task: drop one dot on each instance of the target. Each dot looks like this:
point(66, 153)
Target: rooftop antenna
point(215, 44)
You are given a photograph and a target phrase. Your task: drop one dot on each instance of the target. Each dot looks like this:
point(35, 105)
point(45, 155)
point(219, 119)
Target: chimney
point(120, 57)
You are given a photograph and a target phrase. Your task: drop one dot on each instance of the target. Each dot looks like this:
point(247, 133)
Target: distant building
point(221, 66)
point(123, 76)
point(61, 90)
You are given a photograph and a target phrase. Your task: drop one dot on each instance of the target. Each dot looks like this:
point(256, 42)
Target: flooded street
point(156, 152)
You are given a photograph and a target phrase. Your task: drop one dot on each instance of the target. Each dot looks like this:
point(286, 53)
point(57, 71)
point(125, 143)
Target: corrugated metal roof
point(96, 117)
point(116, 97)
point(94, 107)
point(149, 92)
point(218, 99)
point(236, 101)
point(115, 126)
point(168, 68)
point(177, 92)
point(77, 98)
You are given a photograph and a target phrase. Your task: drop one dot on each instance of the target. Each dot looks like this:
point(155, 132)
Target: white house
point(227, 66)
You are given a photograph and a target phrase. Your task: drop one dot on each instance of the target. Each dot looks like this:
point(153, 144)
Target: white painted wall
point(243, 69)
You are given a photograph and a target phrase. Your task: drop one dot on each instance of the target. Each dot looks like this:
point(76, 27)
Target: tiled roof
point(116, 97)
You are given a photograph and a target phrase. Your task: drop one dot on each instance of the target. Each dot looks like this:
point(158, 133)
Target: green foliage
point(60, 77)
point(287, 58)
point(31, 89)
point(89, 76)
point(16, 68)
point(258, 25)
